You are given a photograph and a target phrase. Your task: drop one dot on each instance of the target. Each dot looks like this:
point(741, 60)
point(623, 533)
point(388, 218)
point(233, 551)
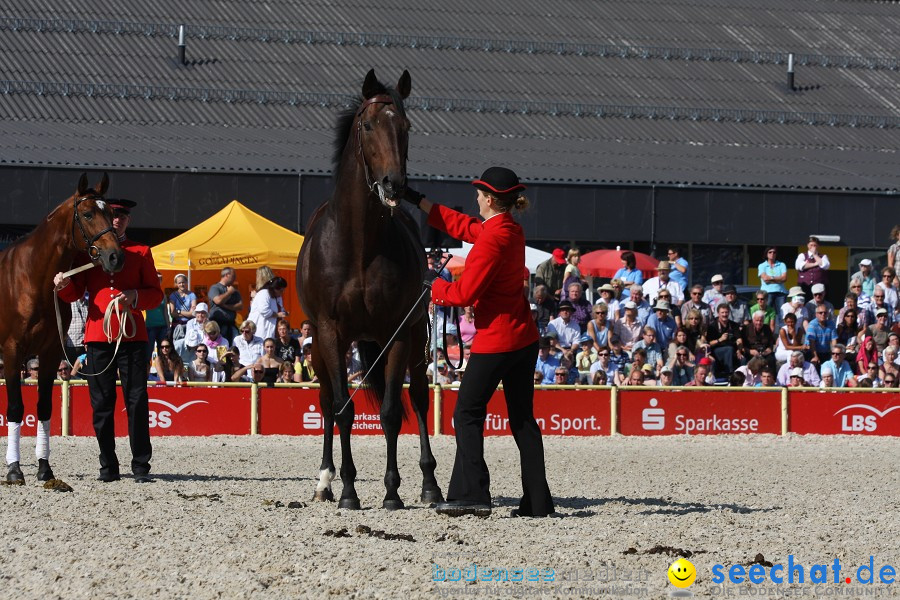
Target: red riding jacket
point(491, 281)
point(139, 273)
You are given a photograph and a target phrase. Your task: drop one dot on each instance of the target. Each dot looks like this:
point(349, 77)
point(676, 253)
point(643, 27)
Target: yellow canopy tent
point(234, 237)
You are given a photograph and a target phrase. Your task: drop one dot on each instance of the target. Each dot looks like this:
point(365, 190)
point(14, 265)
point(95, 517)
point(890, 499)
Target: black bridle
point(89, 243)
point(378, 99)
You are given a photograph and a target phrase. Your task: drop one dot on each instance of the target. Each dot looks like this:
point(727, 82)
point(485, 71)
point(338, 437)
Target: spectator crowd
point(660, 331)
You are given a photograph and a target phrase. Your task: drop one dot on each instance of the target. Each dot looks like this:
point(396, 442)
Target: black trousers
point(470, 480)
point(131, 368)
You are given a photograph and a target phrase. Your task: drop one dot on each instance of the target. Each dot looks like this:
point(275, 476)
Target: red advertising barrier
point(844, 412)
point(295, 411)
point(29, 422)
point(558, 412)
point(175, 411)
point(703, 412)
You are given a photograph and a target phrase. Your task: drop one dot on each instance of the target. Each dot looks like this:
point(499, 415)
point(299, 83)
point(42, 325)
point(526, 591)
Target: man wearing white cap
point(714, 295)
point(194, 332)
point(818, 298)
point(866, 276)
point(795, 378)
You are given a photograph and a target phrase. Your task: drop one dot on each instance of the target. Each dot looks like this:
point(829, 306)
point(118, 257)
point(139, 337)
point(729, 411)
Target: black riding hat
point(498, 180)
point(122, 204)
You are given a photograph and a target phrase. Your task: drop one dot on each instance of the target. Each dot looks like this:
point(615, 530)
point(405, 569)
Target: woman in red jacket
point(504, 350)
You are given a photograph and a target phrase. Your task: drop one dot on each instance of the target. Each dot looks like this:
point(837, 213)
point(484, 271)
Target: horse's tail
point(375, 383)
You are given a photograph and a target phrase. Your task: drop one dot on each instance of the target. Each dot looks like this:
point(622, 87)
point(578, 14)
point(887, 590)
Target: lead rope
point(112, 308)
point(390, 341)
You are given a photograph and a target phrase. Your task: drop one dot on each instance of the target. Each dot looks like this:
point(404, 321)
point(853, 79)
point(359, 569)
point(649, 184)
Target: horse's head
point(92, 228)
point(382, 130)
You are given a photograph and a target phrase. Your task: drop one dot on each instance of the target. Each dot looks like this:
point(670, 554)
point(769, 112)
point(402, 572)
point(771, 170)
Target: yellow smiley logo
point(682, 573)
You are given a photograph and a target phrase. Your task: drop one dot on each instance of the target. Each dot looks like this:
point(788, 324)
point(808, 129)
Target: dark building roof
point(636, 91)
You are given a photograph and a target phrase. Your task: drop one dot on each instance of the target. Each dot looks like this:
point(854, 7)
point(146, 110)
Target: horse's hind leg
point(418, 394)
point(46, 374)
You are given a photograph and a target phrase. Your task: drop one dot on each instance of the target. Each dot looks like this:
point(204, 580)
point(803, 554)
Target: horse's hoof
point(323, 496)
point(393, 504)
point(15, 476)
point(432, 496)
point(45, 473)
point(349, 503)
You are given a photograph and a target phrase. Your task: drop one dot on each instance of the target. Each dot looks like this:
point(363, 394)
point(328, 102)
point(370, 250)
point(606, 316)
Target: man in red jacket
point(133, 289)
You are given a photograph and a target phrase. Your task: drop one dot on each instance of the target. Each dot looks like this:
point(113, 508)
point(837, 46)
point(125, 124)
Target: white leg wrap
point(325, 479)
point(13, 436)
point(42, 447)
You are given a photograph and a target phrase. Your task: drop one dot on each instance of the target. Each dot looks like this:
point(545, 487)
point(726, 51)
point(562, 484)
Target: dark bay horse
point(82, 223)
point(359, 274)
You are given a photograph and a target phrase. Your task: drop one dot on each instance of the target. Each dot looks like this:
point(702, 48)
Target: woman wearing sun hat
point(505, 348)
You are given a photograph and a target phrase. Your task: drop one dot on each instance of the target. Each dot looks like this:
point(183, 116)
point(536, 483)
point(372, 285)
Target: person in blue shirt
point(546, 362)
point(681, 272)
point(840, 368)
point(821, 336)
point(663, 323)
point(772, 275)
point(629, 273)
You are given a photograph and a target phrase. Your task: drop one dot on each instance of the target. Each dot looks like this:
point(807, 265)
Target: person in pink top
point(505, 349)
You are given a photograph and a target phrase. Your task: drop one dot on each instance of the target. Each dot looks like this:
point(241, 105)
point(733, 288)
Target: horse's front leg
point(391, 419)
point(328, 356)
point(326, 470)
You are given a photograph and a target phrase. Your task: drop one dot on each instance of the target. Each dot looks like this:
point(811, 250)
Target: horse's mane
point(347, 119)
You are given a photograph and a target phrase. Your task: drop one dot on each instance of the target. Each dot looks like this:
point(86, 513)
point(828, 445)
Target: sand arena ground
point(218, 522)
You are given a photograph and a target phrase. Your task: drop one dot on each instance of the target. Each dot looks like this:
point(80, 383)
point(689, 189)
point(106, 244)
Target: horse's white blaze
point(101, 204)
point(326, 476)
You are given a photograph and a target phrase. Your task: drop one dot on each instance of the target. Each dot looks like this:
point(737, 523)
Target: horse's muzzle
point(389, 191)
point(112, 261)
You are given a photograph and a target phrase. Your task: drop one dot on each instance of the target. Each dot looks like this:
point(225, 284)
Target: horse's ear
point(101, 187)
point(404, 85)
point(370, 85)
point(82, 185)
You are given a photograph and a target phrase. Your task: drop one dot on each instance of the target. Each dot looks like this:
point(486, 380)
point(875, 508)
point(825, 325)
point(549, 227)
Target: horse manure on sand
point(58, 485)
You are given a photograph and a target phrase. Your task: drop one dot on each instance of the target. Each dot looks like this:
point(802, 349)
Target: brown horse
point(82, 223)
point(359, 274)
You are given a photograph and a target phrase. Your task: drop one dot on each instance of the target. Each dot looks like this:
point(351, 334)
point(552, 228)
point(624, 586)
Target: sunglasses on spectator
point(837, 353)
point(599, 312)
point(885, 274)
point(165, 346)
point(202, 351)
point(696, 293)
point(603, 354)
point(682, 354)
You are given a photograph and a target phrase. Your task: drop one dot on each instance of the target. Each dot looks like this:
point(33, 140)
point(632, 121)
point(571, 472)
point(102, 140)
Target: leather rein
point(385, 99)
